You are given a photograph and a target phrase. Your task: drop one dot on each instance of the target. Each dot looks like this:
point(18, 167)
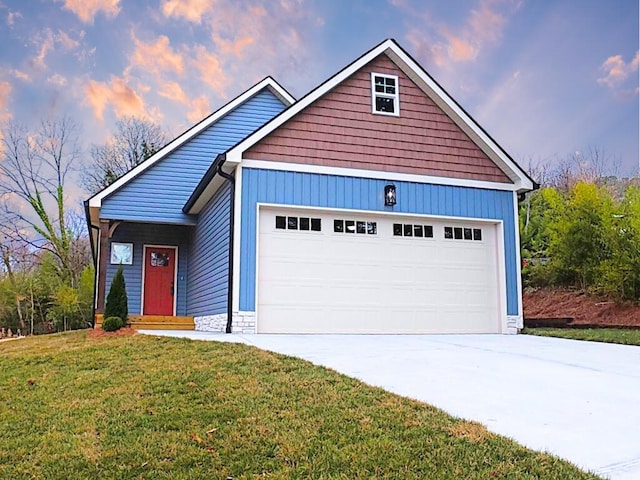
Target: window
point(355, 226)
point(461, 233)
point(298, 223)
point(411, 230)
point(385, 97)
point(159, 259)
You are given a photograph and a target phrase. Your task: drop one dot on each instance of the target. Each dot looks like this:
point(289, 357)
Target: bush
point(117, 299)
point(111, 324)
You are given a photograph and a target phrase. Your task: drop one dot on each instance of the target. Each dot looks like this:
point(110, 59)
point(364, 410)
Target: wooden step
point(161, 326)
point(154, 322)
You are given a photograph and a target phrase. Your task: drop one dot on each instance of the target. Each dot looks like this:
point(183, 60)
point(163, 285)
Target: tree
point(134, 141)
point(34, 166)
point(116, 305)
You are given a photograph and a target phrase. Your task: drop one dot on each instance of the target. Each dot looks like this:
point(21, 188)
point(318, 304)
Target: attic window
point(385, 97)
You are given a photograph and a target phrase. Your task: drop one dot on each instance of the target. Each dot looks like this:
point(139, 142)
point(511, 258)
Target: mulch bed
point(585, 311)
point(99, 332)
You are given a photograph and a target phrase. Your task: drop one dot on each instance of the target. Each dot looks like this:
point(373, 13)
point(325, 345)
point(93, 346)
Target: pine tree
point(117, 299)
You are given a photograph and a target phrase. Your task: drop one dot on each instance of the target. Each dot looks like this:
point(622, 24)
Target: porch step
point(162, 326)
point(154, 322)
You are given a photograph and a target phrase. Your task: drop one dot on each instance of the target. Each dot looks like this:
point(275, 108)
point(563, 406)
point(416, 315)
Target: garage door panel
point(324, 282)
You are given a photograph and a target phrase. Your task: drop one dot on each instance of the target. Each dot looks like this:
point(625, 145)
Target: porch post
point(103, 259)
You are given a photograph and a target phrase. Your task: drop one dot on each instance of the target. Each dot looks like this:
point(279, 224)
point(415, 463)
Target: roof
point(522, 181)
point(96, 200)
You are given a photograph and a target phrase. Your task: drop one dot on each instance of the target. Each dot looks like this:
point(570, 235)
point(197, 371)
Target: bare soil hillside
point(583, 308)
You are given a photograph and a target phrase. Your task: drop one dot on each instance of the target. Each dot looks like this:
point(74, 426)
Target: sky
point(547, 79)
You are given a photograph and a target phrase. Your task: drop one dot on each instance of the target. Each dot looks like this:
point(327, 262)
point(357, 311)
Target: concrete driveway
point(577, 400)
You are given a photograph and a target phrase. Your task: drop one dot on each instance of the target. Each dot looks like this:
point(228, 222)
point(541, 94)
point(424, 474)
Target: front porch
point(154, 322)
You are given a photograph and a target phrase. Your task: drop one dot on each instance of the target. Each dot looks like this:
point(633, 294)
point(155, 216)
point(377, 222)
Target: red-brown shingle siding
point(339, 130)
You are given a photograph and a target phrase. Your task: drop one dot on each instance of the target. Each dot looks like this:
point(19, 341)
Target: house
point(374, 204)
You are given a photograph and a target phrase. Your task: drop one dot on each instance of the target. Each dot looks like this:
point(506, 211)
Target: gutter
point(232, 182)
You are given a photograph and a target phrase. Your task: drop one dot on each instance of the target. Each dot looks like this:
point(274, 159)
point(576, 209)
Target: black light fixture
point(389, 195)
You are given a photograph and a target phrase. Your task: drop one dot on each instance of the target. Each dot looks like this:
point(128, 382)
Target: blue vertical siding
point(294, 188)
point(159, 193)
point(207, 285)
point(149, 234)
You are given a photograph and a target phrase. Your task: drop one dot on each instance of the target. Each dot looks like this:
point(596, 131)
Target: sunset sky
point(545, 78)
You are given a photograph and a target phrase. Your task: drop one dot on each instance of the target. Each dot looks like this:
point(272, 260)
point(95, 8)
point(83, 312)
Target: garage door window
point(463, 233)
point(361, 227)
point(412, 230)
point(298, 223)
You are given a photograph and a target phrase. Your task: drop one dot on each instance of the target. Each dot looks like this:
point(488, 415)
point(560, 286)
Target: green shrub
point(111, 324)
point(117, 299)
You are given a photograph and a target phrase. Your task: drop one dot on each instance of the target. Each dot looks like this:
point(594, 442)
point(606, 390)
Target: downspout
point(95, 260)
point(232, 182)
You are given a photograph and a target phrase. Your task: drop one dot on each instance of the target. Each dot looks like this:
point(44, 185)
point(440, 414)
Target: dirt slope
point(545, 303)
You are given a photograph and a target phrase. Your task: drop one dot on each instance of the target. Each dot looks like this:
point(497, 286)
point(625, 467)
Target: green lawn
point(73, 407)
point(609, 335)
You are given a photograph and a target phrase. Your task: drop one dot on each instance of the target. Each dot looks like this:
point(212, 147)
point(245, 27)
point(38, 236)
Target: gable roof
point(96, 200)
point(404, 61)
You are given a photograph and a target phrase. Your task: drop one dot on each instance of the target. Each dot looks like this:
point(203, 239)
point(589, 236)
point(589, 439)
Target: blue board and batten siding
point(140, 235)
point(331, 191)
point(207, 285)
point(159, 193)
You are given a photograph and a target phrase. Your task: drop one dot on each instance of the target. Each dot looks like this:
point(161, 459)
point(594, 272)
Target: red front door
point(159, 277)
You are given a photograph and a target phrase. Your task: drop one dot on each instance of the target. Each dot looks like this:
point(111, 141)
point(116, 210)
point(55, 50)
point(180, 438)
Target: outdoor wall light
point(390, 195)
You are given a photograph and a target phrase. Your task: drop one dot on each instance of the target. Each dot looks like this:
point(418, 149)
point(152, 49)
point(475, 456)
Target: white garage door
point(341, 272)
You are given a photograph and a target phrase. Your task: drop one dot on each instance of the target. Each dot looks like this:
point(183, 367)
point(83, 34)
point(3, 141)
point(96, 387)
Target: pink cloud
point(86, 10)
point(483, 27)
point(46, 42)
point(191, 10)
point(124, 100)
point(617, 70)
point(20, 75)
point(211, 71)
point(12, 17)
point(157, 56)
point(200, 108)
point(174, 92)
point(5, 91)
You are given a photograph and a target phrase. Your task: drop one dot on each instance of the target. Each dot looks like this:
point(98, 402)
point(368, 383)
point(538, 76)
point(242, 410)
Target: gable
point(159, 193)
point(339, 130)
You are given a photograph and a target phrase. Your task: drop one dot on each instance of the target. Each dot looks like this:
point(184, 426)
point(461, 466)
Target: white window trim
point(395, 97)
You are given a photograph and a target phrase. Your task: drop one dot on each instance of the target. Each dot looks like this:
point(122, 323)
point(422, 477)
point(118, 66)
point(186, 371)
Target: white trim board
point(270, 83)
point(425, 82)
point(175, 275)
point(377, 174)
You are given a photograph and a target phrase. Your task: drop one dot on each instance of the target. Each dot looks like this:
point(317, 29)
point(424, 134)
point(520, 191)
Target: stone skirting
point(514, 323)
point(243, 322)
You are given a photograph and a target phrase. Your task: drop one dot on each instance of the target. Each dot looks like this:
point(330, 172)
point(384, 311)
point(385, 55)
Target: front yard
point(146, 408)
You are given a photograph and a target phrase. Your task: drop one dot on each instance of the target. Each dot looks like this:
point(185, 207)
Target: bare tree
point(33, 170)
point(134, 141)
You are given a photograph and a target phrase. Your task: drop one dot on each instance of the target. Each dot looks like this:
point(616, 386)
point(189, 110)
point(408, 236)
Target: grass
point(153, 408)
point(624, 336)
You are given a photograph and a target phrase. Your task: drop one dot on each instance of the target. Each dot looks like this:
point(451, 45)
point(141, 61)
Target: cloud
point(57, 79)
point(20, 75)
point(446, 45)
point(46, 42)
point(156, 56)
point(5, 91)
point(174, 92)
point(211, 71)
point(200, 108)
point(234, 47)
point(121, 97)
point(12, 17)
point(191, 10)
point(617, 71)
point(86, 10)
